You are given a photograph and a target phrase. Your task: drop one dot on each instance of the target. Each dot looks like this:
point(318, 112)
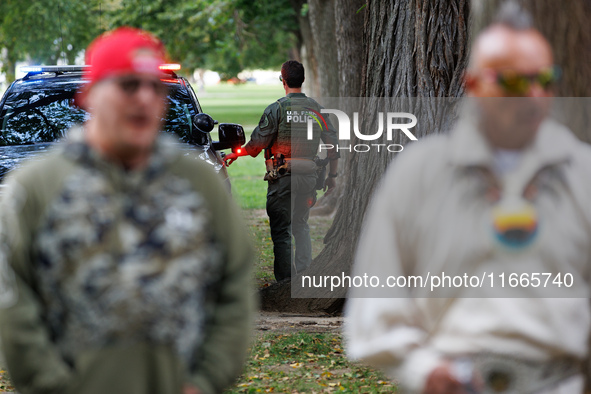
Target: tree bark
point(321, 14)
point(10, 66)
point(307, 50)
point(413, 48)
point(349, 17)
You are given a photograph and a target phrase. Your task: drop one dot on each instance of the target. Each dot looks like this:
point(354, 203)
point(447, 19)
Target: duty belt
point(277, 168)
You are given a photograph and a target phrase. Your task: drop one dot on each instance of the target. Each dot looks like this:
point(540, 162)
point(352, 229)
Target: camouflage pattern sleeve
point(266, 131)
point(330, 137)
point(33, 360)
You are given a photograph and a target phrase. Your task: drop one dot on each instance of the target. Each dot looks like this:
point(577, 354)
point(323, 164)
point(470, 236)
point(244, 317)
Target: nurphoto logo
point(392, 120)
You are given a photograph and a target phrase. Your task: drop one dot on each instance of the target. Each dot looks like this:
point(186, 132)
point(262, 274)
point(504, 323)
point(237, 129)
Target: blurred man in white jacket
point(506, 190)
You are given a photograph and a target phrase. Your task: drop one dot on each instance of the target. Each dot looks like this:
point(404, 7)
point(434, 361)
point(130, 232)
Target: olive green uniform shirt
point(286, 133)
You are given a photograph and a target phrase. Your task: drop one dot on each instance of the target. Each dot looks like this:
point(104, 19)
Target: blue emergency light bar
point(60, 69)
point(52, 69)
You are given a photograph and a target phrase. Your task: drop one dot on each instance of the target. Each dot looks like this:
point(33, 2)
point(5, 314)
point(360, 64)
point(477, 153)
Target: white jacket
point(432, 213)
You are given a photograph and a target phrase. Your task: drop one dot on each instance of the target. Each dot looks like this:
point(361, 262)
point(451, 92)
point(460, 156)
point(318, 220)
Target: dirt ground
point(286, 323)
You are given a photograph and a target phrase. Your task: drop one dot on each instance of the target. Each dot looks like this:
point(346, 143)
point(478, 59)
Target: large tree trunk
point(307, 50)
point(321, 14)
point(413, 48)
point(9, 65)
point(349, 17)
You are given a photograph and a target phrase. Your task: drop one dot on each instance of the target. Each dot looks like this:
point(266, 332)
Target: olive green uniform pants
point(288, 205)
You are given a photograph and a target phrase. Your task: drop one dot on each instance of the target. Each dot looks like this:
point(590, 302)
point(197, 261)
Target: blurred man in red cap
point(115, 276)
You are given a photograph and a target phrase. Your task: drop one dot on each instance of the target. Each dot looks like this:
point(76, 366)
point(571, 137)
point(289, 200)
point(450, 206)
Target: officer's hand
point(329, 184)
point(229, 158)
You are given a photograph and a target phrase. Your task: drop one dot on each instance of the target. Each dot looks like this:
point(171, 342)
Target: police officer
point(291, 170)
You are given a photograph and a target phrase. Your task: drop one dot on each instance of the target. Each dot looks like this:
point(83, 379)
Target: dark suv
point(38, 110)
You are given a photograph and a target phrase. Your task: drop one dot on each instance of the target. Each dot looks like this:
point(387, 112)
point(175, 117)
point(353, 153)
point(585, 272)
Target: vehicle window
point(179, 119)
point(190, 88)
point(32, 115)
point(36, 112)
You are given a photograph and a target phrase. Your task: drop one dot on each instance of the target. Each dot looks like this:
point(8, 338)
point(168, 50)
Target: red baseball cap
point(123, 51)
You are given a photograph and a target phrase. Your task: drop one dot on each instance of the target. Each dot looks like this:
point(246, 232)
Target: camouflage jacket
point(122, 281)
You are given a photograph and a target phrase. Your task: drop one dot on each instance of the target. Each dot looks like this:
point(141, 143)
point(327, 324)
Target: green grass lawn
point(243, 104)
point(306, 363)
point(248, 187)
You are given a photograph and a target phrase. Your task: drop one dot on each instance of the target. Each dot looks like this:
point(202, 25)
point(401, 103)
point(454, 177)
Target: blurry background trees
point(227, 36)
point(45, 30)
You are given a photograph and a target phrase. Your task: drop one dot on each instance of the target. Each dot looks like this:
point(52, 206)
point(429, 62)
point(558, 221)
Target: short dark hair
point(512, 15)
point(292, 73)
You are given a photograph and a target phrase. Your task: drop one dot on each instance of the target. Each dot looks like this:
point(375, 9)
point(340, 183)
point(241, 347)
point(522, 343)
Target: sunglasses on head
point(519, 84)
point(130, 85)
